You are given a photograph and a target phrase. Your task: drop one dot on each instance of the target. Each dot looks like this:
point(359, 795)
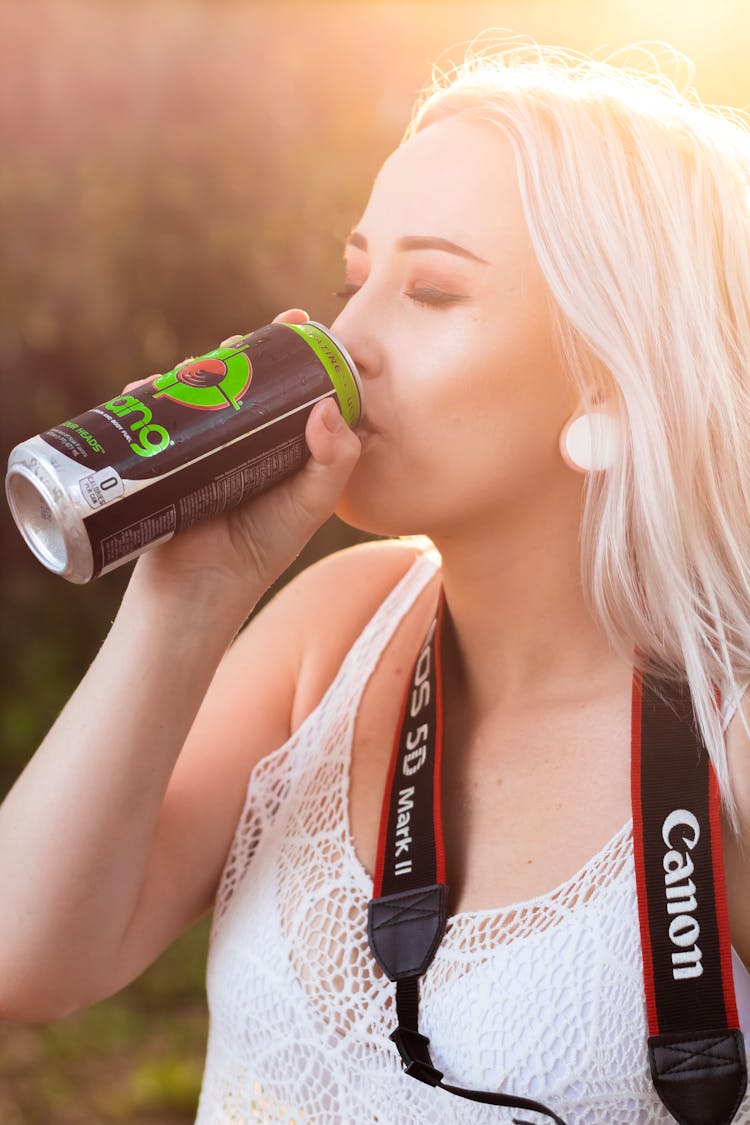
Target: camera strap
point(695, 1046)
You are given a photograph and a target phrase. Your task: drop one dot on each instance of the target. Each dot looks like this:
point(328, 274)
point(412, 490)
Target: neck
point(518, 633)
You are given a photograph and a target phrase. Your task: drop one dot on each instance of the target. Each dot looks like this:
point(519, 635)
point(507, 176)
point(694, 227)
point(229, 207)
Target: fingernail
point(333, 421)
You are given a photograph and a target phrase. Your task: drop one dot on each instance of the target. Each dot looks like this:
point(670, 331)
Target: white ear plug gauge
point(585, 437)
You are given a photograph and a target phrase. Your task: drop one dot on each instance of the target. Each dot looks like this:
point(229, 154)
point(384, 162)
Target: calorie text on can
point(101, 488)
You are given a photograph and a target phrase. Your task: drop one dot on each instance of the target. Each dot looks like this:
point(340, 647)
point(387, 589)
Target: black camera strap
point(695, 1046)
point(696, 1049)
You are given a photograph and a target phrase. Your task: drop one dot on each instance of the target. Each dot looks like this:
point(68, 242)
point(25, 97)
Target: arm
point(101, 864)
point(276, 673)
point(79, 827)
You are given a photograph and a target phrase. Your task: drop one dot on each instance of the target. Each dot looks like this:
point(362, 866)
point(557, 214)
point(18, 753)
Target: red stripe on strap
point(384, 814)
point(640, 868)
point(437, 800)
point(720, 900)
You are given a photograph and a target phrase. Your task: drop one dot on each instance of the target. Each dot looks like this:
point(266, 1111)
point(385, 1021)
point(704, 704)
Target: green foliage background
point(172, 172)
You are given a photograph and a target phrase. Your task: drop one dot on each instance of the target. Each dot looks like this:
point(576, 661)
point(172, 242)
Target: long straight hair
point(636, 196)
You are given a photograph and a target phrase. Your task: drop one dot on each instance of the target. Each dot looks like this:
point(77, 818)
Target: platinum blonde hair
point(636, 196)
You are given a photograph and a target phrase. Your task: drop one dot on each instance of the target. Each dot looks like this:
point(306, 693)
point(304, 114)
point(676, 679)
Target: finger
point(275, 526)
point(292, 316)
point(334, 451)
point(139, 383)
point(326, 433)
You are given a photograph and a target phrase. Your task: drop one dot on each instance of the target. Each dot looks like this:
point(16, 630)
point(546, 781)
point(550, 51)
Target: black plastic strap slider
point(412, 1046)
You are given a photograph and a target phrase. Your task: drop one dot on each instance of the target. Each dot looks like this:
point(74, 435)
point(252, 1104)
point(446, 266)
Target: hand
point(244, 550)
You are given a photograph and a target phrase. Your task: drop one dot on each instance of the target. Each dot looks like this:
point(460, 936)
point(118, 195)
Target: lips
point(366, 433)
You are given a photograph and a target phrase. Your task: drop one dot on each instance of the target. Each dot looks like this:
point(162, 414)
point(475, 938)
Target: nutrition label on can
point(133, 539)
point(239, 484)
point(224, 491)
point(177, 501)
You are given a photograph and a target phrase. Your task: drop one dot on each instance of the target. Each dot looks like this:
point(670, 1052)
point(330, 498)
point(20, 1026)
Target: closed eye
point(421, 295)
point(347, 291)
point(426, 295)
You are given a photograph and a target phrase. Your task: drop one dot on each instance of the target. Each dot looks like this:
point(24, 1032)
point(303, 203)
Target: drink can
point(96, 491)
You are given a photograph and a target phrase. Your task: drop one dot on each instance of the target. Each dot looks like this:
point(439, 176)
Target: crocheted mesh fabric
point(543, 999)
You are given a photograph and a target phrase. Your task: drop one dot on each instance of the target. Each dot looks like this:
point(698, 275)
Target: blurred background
point(172, 172)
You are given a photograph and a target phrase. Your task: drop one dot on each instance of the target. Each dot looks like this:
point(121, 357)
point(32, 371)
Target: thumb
point(334, 451)
point(276, 525)
point(327, 434)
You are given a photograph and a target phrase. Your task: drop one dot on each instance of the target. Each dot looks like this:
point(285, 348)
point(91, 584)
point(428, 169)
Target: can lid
point(36, 514)
point(351, 410)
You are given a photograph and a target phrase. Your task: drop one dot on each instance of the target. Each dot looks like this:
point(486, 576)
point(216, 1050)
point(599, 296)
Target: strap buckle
point(412, 1046)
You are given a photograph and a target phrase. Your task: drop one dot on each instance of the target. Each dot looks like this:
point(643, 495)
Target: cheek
point(394, 484)
point(518, 395)
point(467, 428)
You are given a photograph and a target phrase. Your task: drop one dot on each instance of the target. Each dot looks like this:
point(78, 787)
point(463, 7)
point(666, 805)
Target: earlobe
point(588, 441)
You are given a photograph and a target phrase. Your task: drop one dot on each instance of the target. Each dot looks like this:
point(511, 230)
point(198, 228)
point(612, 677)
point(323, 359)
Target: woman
point(554, 239)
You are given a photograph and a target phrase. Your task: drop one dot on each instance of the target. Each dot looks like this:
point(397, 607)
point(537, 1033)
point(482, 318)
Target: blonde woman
point(548, 300)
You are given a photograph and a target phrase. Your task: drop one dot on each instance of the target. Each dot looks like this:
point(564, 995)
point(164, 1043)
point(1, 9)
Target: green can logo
point(150, 438)
point(212, 382)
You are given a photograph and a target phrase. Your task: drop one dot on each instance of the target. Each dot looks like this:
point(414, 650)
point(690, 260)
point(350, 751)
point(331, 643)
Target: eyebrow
point(420, 242)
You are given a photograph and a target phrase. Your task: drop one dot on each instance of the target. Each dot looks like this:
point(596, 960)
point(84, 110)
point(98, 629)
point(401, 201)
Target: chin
point(387, 527)
point(374, 515)
point(390, 499)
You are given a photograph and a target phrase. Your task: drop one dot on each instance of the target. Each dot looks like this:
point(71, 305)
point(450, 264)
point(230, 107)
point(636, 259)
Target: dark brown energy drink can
point(98, 490)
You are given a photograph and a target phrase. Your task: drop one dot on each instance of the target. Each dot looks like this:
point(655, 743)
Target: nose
point(354, 328)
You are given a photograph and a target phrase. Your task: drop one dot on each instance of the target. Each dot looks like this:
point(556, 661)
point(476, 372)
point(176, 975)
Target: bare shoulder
point(308, 627)
point(332, 602)
point(340, 590)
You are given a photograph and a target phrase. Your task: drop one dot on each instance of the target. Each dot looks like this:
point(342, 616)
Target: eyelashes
point(420, 294)
point(346, 291)
point(426, 295)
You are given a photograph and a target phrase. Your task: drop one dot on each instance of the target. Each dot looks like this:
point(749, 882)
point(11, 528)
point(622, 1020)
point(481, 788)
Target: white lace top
point(543, 998)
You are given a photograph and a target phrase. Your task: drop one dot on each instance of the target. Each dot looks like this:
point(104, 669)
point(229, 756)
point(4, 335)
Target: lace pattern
point(543, 998)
